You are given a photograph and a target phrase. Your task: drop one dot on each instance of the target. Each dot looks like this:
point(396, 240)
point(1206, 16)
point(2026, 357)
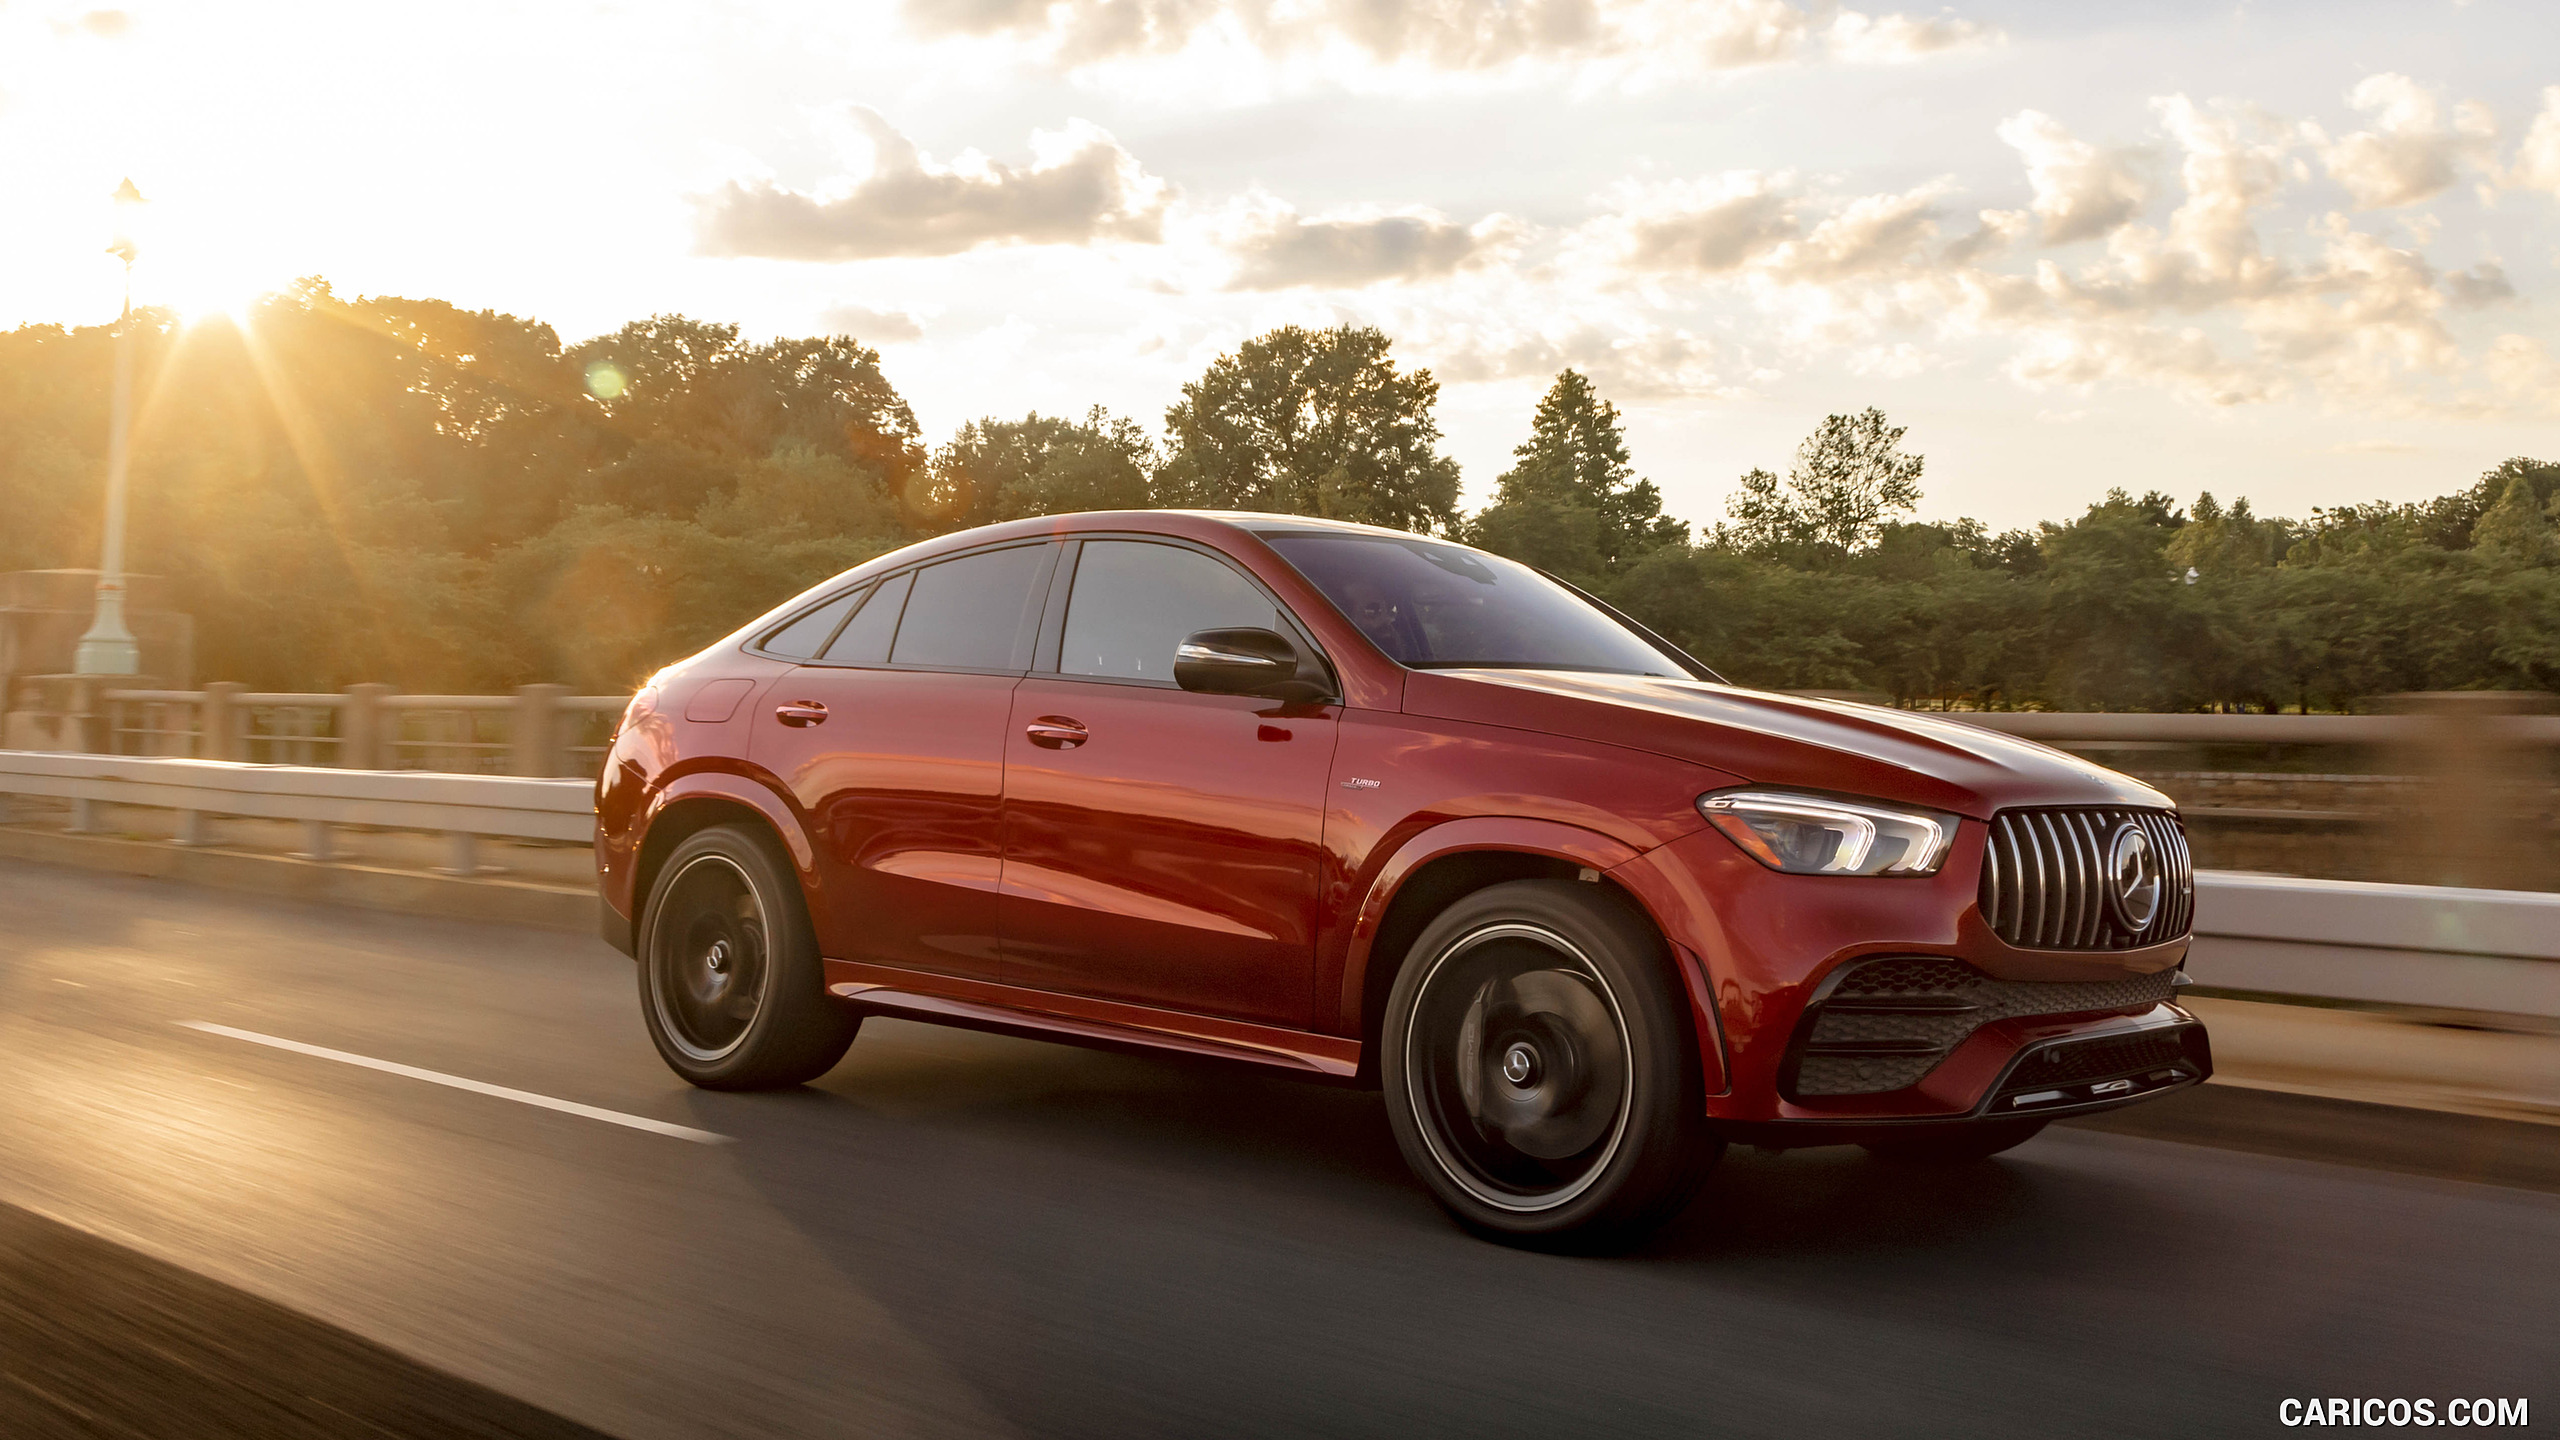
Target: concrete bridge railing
point(536, 731)
point(465, 809)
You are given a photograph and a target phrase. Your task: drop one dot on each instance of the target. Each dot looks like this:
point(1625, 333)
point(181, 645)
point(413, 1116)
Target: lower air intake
point(1888, 1022)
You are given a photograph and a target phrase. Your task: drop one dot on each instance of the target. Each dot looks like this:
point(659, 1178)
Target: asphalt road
point(962, 1234)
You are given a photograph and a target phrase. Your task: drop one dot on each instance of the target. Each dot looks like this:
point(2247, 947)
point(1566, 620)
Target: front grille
point(1888, 1022)
point(2044, 878)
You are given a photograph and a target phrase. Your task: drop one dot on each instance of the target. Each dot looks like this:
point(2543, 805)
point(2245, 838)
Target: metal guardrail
point(463, 808)
point(2426, 945)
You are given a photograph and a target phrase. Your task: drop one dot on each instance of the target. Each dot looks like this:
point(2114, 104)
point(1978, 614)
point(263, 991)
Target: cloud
point(1463, 36)
point(2232, 167)
point(1280, 249)
point(2524, 371)
point(95, 24)
point(2356, 317)
point(2184, 359)
point(1869, 234)
point(2081, 192)
point(1745, 222)
point(1899, 39)
point(1453, 34)
point(1081, 188)
point(2199, 304)
point(1634, 360)
point(2412, 153)
point(2537, 162)
point(872, 327)
point(1700, 227)
point(2482, 285)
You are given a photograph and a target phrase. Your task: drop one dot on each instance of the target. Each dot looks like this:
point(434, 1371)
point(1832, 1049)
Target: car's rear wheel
point(1955, 1145)
point(730, 980)
point(1541, 1073)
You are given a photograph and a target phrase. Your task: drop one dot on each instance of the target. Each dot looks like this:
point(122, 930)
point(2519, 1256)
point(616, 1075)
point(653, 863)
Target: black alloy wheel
point(1954, 1144)
point(1541, 1072)
point(730, 982)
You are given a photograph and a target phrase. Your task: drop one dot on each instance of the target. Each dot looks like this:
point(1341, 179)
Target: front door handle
point(801, 713)
point(1056, 732)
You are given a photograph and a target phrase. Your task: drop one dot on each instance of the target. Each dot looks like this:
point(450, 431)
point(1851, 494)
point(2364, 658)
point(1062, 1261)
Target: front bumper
point(2094, 1066)
point(1771, 949)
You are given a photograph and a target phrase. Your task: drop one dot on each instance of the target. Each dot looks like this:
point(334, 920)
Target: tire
point(1540, 1070)
point(730, 982)
point(1955, 1145)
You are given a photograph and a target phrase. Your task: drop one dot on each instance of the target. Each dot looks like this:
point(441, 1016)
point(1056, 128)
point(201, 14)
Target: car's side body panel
point(900, 787)
point(1170, 857)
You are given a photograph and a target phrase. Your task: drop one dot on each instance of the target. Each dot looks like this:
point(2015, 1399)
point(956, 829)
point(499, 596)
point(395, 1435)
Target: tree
point(685, 402)
point(2214, 541)
point(1312, 422)
point(2515, 529)
point(1849, 476)
point(803, 492)
point(2119, 633)
point(1572, 504)
point(1042, 465)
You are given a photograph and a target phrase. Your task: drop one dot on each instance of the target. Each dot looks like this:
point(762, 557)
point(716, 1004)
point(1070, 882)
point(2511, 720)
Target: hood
point(1770, 739)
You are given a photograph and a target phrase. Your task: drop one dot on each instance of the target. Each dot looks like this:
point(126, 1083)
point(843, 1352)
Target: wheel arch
point(1435, 869)
point(696, 802)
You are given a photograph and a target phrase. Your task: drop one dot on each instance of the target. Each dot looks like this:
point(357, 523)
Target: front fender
point(1516, 834)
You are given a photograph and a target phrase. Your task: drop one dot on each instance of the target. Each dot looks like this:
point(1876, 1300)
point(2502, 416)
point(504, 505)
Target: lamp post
point(109, 648)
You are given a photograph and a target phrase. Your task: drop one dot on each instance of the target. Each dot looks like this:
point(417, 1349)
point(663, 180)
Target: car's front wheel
point(730, 981)
point(1540, 1071)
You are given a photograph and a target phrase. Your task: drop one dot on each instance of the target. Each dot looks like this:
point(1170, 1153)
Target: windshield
point(1435, 606)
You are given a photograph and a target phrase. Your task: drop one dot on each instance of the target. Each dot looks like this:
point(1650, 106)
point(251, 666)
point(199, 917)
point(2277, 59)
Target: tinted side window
point(968, 613)
point(865, 638)
point(1133, 602)
point(801, 638)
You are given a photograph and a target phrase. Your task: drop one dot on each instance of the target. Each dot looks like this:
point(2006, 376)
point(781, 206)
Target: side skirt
point(1049, 1015)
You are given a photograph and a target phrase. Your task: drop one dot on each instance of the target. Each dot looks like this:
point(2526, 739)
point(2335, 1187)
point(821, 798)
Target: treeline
point(389, 489)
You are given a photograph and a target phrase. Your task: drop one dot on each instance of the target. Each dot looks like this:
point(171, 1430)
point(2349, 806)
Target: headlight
point(1818, 835)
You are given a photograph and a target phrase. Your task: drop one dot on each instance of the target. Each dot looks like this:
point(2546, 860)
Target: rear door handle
point(1056, 732)
point(801, 713)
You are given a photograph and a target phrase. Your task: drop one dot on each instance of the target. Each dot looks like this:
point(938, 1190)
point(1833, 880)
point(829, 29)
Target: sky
point(2302, 253)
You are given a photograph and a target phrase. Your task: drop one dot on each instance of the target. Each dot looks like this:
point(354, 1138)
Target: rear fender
point(731, 790)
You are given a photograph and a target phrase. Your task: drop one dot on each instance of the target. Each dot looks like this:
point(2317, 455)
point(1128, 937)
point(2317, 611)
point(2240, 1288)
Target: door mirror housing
point(1261, 663)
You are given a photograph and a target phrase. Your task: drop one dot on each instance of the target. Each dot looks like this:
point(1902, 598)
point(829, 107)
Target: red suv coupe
point(1389, 810)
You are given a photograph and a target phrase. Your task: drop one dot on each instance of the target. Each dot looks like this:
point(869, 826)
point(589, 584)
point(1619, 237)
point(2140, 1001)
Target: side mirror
point(1260, 663)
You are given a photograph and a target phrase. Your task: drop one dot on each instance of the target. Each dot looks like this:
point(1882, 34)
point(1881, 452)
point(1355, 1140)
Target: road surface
point(959, 1234)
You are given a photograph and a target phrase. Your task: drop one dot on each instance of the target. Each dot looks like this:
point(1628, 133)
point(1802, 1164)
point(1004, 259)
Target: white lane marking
point(477, 1087)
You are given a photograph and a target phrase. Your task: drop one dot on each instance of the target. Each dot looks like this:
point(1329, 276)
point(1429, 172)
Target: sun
point(200, 291)
point(200, 260)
